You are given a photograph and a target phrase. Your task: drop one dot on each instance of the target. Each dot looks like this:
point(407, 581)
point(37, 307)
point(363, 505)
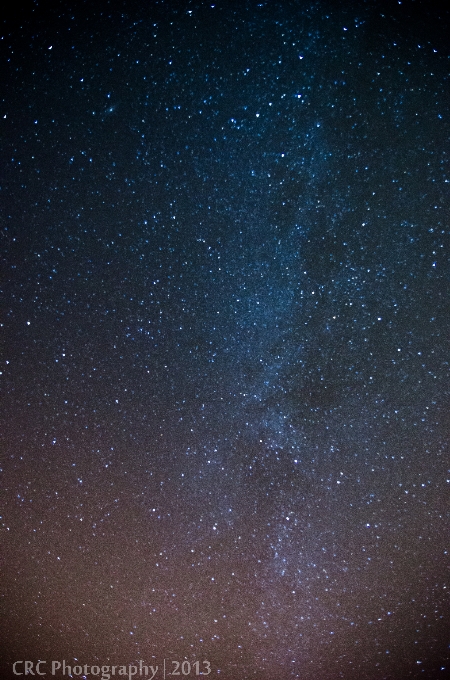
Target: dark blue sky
point(225, 318)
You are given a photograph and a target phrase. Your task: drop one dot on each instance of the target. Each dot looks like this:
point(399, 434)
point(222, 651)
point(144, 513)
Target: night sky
point(225, 320)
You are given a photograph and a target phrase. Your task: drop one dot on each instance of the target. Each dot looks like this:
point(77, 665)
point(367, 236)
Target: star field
point(225, 321)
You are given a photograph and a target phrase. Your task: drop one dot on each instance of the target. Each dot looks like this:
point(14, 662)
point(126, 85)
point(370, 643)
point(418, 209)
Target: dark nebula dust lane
point(225, 321)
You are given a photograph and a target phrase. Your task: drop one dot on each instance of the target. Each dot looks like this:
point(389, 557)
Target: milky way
point(226, 337)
